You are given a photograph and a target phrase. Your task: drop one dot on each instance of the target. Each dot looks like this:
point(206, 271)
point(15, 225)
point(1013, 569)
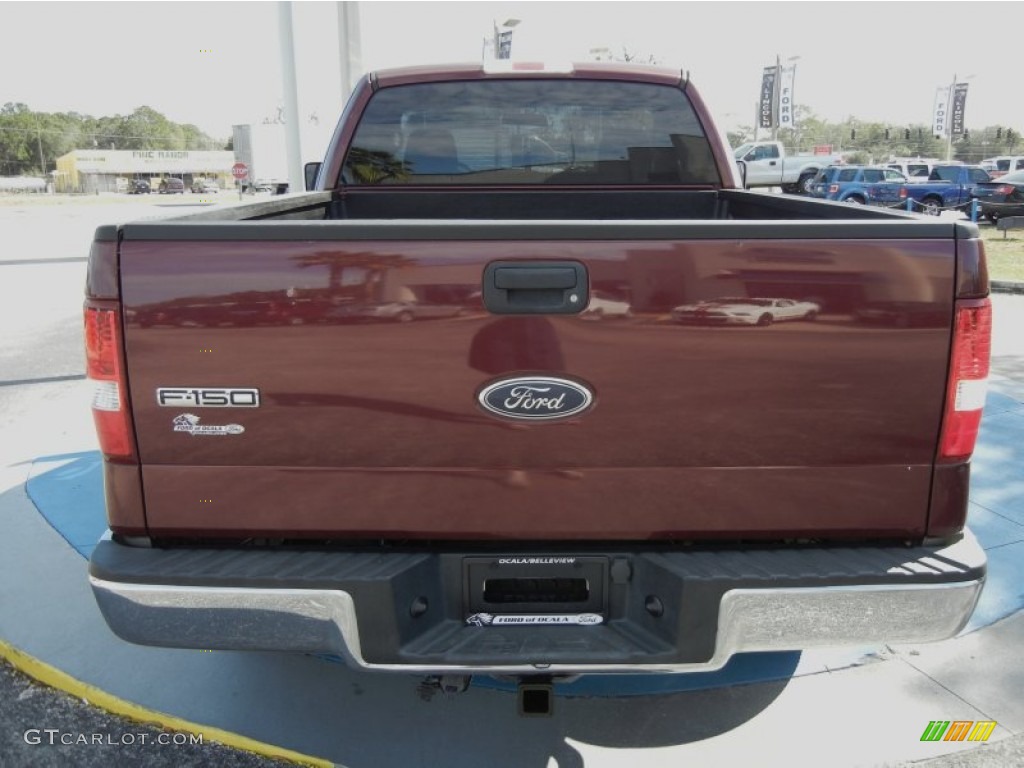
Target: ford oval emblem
point(536, 398)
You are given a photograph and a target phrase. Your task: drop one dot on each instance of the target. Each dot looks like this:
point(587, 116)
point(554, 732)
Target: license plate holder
point(538, 586)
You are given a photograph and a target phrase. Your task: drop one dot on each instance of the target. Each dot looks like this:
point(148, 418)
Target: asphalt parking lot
point(359, 719)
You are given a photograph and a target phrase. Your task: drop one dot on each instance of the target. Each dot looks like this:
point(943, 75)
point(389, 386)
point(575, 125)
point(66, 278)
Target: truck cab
point(1000, 166)
point(950, 185)
point(769, 166)
point(764, 162)
point(914, 168)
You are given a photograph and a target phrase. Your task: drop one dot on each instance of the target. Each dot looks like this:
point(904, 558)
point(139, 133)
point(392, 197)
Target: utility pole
point(39, 141)
point(775, 96)
point(293, 143)
point(949, 123)
point(349, 47)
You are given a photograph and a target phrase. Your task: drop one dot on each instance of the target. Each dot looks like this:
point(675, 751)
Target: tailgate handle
point(535, 287)
point(534, 278)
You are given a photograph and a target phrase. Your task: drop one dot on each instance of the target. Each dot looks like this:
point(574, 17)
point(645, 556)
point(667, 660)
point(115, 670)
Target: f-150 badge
point(208, 397)
point(188, 422)
point(536, 398)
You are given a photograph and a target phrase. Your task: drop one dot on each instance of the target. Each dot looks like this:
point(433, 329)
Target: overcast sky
point(217, 64)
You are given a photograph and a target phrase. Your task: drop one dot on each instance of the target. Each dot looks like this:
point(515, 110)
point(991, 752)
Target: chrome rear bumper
point(714, 604)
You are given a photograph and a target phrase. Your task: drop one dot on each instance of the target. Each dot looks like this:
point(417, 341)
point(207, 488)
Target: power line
point(92, 135)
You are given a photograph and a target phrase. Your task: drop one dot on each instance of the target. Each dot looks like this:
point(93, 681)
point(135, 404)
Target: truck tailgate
point(368, 355)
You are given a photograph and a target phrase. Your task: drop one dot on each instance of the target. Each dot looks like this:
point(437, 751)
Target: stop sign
point(240, 171)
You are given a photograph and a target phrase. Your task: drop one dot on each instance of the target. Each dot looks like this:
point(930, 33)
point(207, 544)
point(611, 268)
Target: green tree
point(17, 128)
point(861, 142)
point(741, 135)
point(990, 141)
point(810, 131)
point(145, 128)
point(31, 142)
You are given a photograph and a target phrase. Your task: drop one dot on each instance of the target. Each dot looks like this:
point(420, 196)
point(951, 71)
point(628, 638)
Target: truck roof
point(585, 70)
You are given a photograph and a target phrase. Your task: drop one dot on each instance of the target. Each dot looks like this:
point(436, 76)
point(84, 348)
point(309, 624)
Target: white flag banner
point(940, 114)
point(786, 117)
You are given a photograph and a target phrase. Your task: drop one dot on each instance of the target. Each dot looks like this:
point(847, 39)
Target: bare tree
point(635, 57)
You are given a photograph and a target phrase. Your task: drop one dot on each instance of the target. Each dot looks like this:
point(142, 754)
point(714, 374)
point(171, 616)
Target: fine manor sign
point(160, 155)
point(151, 161)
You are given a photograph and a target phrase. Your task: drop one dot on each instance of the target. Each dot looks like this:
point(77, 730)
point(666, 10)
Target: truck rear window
point(530, 132)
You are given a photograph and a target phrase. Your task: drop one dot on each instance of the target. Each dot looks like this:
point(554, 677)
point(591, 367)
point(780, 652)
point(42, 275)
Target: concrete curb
point(49, 675)
point(1006, 286)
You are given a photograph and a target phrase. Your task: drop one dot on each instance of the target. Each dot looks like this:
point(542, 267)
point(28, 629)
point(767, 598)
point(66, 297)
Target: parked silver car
point(205, 186)
point(744, 311)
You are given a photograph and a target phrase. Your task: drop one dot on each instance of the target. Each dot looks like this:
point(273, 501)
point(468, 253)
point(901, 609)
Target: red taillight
point(1005, 189)
point(103, 368)
point(903, 193)
point(833, 188)
point(968, 379)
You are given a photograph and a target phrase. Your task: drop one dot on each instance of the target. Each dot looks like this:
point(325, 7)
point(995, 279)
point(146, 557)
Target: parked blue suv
point(861, 184)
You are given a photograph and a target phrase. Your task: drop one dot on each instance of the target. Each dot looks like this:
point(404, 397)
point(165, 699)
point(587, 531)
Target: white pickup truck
point(768, 166)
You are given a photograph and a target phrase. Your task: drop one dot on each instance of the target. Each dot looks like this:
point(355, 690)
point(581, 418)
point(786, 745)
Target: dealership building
point(88, 170)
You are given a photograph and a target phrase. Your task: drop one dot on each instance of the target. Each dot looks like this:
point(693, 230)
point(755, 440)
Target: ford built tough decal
point(519, 619)
point(536, 398)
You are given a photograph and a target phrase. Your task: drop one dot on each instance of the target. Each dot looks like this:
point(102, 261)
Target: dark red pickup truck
point(438, 414)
